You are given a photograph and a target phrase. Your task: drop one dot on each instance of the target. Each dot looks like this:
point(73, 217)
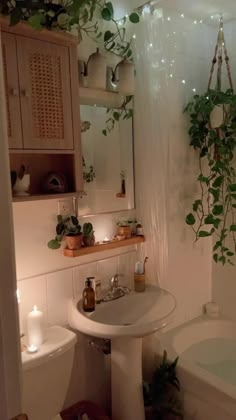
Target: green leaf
point(104, 132)
point(203, 234)
point(232, 228)
point(197, 204)
point(106, 14)
point(108, 35)
point(217, 245)
point(222, 259)
point(54, 244)
point(218, 182)
point(134, 17)
point(109, 6)
point(209, 220)
point(230, 254)
point(37, 21)
point(232, 187)
point(116, 116)
point(190, 219)
point(15, 17)
point(218, 210)
point(203, 179)
point(215, 257)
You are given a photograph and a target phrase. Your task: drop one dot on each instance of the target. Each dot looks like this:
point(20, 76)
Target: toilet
point(46, 375)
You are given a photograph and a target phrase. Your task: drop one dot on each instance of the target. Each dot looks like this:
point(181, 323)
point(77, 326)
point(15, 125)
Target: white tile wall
point(52, 292)
point(59, 293)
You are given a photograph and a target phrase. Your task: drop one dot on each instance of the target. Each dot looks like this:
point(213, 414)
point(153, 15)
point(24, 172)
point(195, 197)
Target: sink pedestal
point(126, 379)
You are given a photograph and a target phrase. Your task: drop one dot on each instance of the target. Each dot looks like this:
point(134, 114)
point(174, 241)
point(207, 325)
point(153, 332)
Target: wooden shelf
point(103, 247)
point(38, 197)
point(100, 97)
point(42, 151)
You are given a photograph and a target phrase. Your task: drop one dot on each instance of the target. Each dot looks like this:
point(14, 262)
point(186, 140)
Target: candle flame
point(18, 295)
point(35, 308)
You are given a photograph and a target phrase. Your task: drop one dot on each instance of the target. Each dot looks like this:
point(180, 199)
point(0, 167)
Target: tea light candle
point(106, 240)
point(35, 327)
point(32, 349)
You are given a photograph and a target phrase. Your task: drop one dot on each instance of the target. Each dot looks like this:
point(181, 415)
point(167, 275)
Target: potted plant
point(160, 396)
point(70, 229)
point(88, 234)
point(213, 211)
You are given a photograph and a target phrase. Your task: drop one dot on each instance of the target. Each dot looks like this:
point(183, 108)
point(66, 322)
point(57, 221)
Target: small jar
point(139, 282)
point(139, 230)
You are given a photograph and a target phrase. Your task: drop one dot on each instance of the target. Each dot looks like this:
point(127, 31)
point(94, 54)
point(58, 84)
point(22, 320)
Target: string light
point(169, 19)
point(134, 36)
point(194, 90)
point(195, 22)
point(182, 15)
point(184, 82)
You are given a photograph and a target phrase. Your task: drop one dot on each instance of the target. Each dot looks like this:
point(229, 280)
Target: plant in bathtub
point(160, 396)
point(213, 136)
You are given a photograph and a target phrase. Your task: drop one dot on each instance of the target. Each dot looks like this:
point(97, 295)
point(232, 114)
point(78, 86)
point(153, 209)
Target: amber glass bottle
point(88, 296)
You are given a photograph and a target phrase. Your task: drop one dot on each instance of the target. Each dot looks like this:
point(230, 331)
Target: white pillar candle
point(19, 312)
point(35, 328)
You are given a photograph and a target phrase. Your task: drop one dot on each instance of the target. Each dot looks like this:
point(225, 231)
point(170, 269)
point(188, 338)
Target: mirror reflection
point(107, 163)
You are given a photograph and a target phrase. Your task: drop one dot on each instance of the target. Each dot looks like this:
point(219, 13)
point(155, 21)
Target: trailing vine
point(214, 211)
point(115, 115)
point(83, 15)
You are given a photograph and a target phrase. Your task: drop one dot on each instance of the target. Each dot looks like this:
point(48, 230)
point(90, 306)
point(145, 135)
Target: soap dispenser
point(89, 296)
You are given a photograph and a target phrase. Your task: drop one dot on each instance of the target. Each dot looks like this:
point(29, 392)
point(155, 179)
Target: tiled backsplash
point(52, 292)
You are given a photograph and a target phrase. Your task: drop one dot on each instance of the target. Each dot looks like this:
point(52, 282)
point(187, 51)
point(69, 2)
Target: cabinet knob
point(25, 93)
point(15, 92)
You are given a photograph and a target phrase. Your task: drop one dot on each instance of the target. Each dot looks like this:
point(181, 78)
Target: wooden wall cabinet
point(42, 102)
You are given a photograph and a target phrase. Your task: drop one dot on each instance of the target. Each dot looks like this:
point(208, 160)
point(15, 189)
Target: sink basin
point(133, 315)
point(125, 321)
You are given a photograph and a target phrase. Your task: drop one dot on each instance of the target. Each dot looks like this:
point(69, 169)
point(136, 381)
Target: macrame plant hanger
point(220, 50)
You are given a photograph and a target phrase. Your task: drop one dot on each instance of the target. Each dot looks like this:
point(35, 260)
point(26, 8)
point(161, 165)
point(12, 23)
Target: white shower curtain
point(152, 143)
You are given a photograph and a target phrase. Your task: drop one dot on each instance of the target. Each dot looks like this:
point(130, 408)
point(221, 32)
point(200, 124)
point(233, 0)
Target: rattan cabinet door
point(45, 94)
point(12, 91)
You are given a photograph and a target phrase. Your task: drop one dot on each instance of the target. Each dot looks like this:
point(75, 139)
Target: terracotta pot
point(89, 240)
point(124, 231)
point(74, 242)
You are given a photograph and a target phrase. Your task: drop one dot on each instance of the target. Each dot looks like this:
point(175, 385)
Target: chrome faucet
point(116, 290)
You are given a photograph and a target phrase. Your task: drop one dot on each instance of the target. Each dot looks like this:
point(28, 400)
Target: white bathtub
point(207, 366)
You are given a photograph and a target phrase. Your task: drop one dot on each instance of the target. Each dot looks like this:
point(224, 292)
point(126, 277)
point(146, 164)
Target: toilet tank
point(46, 374)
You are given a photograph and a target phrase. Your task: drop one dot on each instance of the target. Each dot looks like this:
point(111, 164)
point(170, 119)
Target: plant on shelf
point(88, 235)
point(85, 16)
point(115, 115)
point(69, 228)
point(160, 396)
point(213, 135)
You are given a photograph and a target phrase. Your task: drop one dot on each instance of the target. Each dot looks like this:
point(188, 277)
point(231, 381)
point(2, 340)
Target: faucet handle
point(114, 282)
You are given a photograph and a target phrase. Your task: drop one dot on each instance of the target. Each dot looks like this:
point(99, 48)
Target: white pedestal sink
point(125, 321)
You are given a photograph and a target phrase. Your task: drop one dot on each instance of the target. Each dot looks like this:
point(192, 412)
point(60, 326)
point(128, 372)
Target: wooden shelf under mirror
point(100, 97)
point(135, 240)
point(39, 165)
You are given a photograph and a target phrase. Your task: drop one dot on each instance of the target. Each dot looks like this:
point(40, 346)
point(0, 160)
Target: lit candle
point(105, 240)
point(19, 312)
point(32, 349)
point(35, 327)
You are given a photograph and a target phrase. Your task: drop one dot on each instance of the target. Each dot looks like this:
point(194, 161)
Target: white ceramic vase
point(96, 71)
point(125, 77)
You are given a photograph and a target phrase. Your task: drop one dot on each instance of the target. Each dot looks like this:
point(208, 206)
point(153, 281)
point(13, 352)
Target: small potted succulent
point(88, 234)
point(69, 228)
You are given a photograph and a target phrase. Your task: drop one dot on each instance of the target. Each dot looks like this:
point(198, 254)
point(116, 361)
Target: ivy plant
point(213, 212)
point(83, 15)
point(115, 115)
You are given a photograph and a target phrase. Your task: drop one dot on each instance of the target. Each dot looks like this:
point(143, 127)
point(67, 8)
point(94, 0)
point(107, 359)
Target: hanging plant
point(65, 15)
point(214, 210)
point(213, 134)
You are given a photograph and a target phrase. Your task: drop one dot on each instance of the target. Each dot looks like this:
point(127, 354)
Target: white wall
point(224, 278)
point(170, 50)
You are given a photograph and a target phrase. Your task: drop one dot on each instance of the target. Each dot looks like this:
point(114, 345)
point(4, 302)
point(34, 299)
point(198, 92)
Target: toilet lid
point(58, 341)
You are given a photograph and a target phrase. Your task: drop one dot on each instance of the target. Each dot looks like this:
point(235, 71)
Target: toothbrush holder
point(139, 282)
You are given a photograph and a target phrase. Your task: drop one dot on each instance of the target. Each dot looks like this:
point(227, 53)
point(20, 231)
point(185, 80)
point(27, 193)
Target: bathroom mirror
point(107, 163)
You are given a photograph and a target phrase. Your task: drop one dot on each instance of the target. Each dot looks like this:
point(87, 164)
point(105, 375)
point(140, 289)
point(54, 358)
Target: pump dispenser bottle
point(89, 296)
